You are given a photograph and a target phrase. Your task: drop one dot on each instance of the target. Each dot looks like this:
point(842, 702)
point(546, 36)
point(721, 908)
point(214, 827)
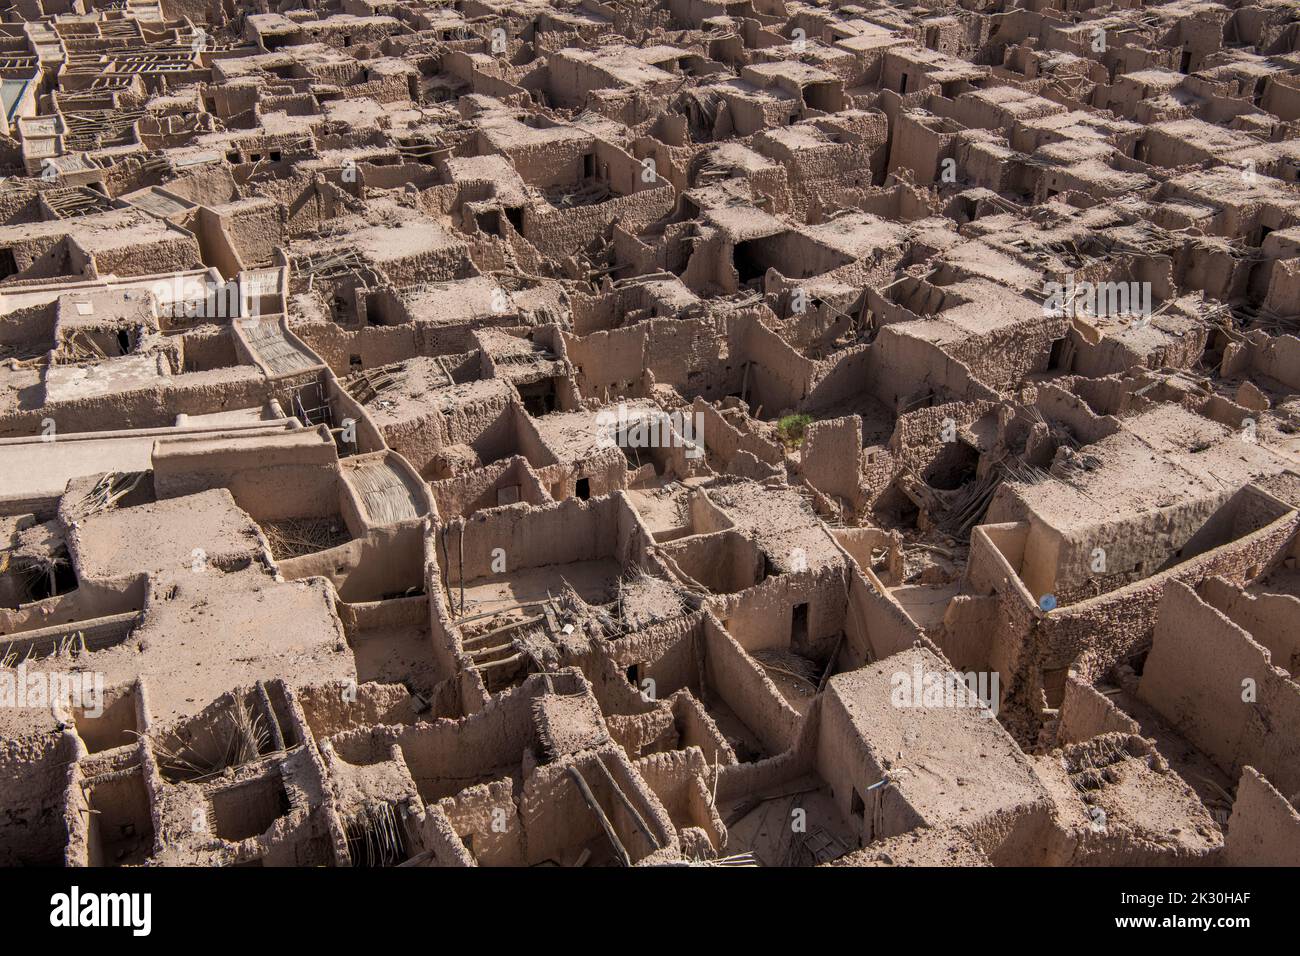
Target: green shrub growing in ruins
point(791, 429)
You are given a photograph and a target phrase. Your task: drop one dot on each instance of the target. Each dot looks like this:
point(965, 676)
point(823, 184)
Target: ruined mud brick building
point(545, 433)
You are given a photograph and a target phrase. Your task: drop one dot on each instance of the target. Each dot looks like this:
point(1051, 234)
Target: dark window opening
point(799, 624)
point(747, 263)
point(588, 165)
point(489, 222)
point(902, 83)
point(634, 675)
point(516, 217)
point(583, 488)
point(1139, 663)
point(1057, 353)
point(354, 362)
point(1185, 62)
point(123, 342)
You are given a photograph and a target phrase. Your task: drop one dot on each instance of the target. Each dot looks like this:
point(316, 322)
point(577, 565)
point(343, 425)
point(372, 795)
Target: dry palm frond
point(1227, 797)
point(11, 658)
point(789, 664)
point(735, 859)
point(247, 738)
point(71, 645)
point(179, 764)
point(293, 537)
point(368, 385)
point(108, 491)
point(375, 837)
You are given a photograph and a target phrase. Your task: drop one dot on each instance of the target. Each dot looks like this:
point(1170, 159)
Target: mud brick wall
point(831, 456)
point(875, 626)
point(918, 147)
point(1279, 358)
point(725, 441)
point(917, 441)
point(779, 377)
point(488, 425)
point(1269, 618)
point(1194, 676)
point(696, 729)
point(1003, 358)
point(565, 231)
point(375, 345)
point(683, 353)
point(559, 533)
point(776, 771)
point(1085, 714)
point(669, 654)
point(681, 780)
point(846, 761)
point(557, 820)
point(440, 265)
point(488, 824)
point(197, 393)
point(327, 712)
point(840, 379)
point(479, 489)
point(762, 614)
point(638, 733)
point(748, 691)
point(1264, 829)
point(1073, 634)
point(167, 255)
point(34, 779)
point(902, 366)
point(445, 756)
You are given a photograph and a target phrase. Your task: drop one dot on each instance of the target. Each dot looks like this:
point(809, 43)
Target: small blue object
point(1047, 602)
